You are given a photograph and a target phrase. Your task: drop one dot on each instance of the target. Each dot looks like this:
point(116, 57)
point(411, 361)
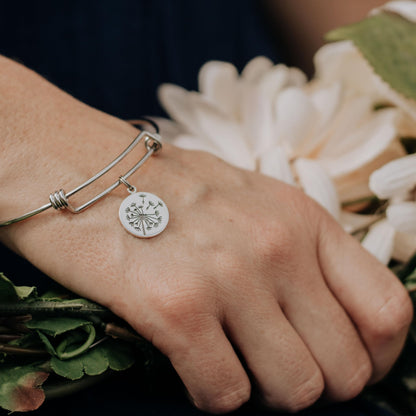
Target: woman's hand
point(251, 283)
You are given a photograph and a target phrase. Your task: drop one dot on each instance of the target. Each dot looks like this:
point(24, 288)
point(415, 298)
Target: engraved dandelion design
point(144, 214)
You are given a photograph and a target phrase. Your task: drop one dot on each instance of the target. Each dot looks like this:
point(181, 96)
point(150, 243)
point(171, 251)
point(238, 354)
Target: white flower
point(326, 136)
point(396, 181)
point(343, 62)
point(232, 115)
point(317, 135)
point(380, 240)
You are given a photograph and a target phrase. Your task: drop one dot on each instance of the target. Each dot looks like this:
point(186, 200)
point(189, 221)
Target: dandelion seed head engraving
point(144, 214)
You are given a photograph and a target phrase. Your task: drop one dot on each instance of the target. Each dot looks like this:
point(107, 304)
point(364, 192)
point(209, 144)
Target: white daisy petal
point(257, 120)
point(175, 100)
point(274, 163)
point(355, 185)
point(257, 101)
point(402, 216)
point(343, 62)
point(404, 246)
point(256, 68)
point(295, 117)
point(379, 241)
point(395, 177)
point(297, 78)
point(275, 80)
point(374, 138)
point(218, 81)
point(317, 184)
point(352, 222)
point(352, 114)
point(327, 100)
point(224, 134)
point(329, 60)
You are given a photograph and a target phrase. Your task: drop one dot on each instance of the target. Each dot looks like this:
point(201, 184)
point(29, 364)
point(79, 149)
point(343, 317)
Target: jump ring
point(130, 187)
point(152, 143)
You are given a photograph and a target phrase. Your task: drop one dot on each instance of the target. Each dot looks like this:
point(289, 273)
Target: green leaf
point(10, 293)
point(72, 369)
point(111, 354)
point(410, 281)
point(67, 338)
point(120, 355)
point(55, 294)
point(71, 343)
point(388, 42)
point(29, 340)
point(95, 362)
point(49, 347)
point(20, 388)
point(56, 326)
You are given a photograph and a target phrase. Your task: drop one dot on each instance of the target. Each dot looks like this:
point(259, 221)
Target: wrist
point(46, 149)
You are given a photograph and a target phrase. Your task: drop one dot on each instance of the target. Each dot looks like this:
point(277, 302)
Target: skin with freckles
point(246, 263)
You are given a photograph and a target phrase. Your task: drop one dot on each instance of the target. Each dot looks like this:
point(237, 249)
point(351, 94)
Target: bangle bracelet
point(142, 214)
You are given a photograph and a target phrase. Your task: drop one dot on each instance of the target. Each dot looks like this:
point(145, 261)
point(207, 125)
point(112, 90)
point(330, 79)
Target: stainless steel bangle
point(59, 199)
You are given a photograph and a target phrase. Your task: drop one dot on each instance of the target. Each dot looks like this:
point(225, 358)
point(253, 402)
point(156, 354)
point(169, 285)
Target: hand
point(246, 264)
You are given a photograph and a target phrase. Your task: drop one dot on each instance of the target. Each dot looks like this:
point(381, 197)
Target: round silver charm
point(143, 214)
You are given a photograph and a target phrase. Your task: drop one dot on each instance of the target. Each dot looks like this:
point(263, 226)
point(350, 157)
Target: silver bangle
point(142, 214)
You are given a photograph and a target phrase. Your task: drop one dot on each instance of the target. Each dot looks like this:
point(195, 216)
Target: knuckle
point(276, 243)
point(306, 394)
point(353, 386)
point(228, 401)
point(179, 308)
point(394, 316)
point(186, 309)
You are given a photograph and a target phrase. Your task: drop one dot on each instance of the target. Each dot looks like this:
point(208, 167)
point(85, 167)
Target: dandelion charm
point(144, 214)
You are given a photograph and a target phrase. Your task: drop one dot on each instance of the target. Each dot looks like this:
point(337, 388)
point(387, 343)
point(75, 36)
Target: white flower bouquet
point(347, 138)
point(341, 137)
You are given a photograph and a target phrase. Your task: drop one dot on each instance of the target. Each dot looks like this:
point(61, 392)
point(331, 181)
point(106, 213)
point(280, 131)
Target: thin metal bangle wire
point(58, 199)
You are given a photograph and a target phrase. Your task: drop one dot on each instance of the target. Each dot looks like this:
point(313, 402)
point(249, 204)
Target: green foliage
point(56, 326)
point(10, 293)
point(120, 356)
point(56, 334)
point(110, 355)
point(20, 387)
point(388, 42)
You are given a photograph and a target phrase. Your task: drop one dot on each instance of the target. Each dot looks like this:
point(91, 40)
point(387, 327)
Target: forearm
point(47, 142)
